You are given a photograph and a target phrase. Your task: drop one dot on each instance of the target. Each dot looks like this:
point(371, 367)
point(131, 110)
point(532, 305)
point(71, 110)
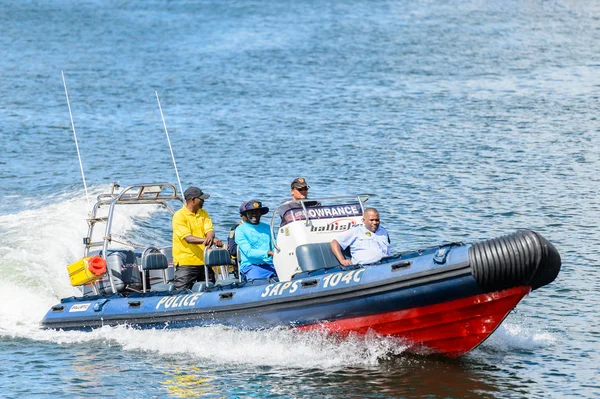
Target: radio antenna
point(169, 141)
point(87, 197)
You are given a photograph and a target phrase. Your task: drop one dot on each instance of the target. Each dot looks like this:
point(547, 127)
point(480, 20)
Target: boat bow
point(524, 258)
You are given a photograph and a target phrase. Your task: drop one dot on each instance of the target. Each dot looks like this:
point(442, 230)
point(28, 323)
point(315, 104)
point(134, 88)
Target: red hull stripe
point(451, 328)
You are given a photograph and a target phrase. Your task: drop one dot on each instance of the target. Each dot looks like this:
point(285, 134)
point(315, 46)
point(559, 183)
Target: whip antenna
point(168, 140)
point(87, 197)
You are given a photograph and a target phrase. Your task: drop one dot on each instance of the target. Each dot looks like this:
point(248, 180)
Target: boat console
point(302, 240)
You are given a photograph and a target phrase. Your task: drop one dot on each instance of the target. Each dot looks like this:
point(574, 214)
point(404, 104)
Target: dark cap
point(299, 182)
point(194, 192)
point(251, 205)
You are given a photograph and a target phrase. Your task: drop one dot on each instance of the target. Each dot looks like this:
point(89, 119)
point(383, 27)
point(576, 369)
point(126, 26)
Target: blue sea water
point(463, 120)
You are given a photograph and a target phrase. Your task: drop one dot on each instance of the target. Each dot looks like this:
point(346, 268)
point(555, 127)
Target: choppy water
point(464, 120)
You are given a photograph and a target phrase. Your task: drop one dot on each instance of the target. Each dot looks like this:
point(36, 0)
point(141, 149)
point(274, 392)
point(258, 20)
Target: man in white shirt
point(368, 242)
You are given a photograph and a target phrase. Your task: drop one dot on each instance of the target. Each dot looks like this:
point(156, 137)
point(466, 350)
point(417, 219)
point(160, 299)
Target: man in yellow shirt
point(192, 232)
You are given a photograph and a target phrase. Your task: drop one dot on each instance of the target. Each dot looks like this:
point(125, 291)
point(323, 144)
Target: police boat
point(446, 299)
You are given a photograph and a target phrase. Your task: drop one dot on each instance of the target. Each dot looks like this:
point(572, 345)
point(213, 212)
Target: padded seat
point(216, 257)
point(221, 260)
point(155, 261)
point(316, 256)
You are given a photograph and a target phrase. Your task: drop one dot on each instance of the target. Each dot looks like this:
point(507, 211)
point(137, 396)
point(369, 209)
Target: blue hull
point(309, 298)
point(406, 281)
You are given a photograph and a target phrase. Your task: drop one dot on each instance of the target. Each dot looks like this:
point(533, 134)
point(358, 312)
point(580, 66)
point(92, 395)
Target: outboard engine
point(125, 272)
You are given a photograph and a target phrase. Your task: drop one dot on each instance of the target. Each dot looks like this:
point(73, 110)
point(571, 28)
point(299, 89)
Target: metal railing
point(137, 194)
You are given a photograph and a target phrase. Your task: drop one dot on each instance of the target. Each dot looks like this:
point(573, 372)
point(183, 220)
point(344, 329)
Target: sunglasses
point(302, 189)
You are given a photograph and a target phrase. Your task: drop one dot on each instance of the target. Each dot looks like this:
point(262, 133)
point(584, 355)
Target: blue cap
point(251, 205)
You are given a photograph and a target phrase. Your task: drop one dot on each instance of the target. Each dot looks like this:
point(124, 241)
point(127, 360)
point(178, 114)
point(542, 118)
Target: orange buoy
point(96, 265)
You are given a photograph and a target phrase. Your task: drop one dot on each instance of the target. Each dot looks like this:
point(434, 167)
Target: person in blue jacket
point(254, 243)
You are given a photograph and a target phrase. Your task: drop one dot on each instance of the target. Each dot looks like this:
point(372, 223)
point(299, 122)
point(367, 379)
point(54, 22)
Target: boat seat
point(216, 257)
point(220, 259)
point(168, 251)
point(317, 256)
point(156, 261)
